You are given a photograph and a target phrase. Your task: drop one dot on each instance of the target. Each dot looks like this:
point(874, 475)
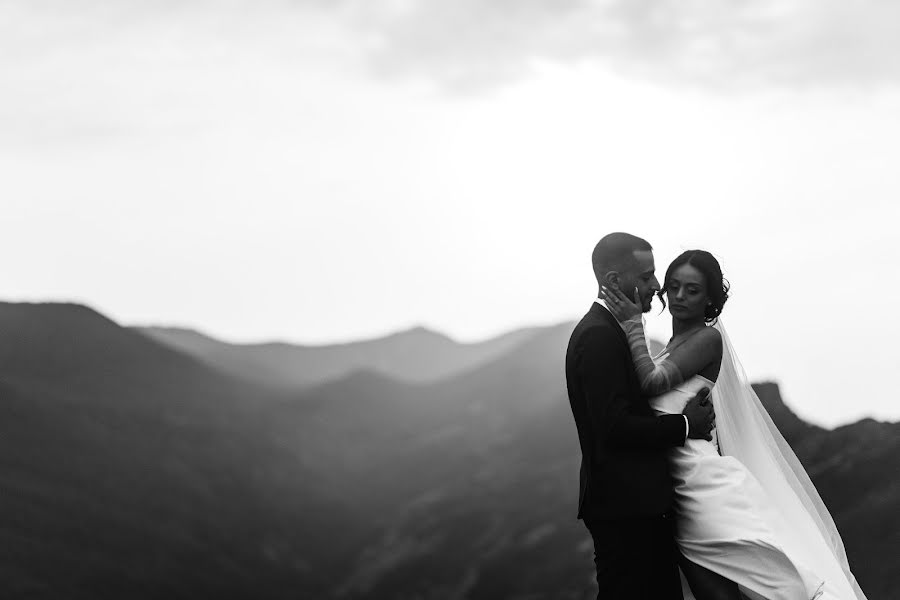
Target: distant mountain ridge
point(416, 355)
point(133, 466)
point(129, 466)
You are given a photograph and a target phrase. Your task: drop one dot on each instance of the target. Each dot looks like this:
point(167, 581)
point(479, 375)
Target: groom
point(625, 493)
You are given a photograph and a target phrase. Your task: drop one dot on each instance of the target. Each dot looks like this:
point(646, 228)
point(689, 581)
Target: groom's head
point(625, 262)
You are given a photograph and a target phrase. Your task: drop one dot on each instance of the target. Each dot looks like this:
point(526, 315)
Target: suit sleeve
point(603, 375)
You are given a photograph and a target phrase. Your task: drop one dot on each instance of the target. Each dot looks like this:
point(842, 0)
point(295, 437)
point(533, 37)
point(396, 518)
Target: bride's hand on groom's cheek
point(619, 305)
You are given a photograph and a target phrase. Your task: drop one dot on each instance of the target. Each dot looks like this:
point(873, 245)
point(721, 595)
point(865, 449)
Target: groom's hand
point(699, 412)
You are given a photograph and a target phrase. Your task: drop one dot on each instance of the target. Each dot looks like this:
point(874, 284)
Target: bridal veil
point(746, 432)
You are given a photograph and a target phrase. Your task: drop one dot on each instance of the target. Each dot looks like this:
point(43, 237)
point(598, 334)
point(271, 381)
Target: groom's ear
point(612, 279)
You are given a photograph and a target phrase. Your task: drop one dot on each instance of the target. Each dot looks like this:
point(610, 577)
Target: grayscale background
point(286, 285)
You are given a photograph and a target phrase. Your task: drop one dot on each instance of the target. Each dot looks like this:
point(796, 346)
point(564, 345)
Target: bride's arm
point(701, 350)
point(691, 357)
point(603, 368)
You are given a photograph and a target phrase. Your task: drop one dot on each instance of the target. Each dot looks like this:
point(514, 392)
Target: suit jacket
point(624, 468)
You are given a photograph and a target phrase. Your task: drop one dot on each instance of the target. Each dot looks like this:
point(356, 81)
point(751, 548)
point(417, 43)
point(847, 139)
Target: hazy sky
point(321, 171)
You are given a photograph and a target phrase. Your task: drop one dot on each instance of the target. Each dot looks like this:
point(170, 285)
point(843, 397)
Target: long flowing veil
point(746, 432)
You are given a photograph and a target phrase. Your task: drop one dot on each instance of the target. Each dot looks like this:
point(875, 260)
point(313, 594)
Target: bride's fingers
point(609, 297)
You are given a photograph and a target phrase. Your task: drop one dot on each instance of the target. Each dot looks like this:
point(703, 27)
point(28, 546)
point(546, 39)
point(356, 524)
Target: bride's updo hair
point(716, 285)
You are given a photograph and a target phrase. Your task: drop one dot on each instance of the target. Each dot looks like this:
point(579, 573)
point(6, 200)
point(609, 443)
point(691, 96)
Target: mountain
point(131, 468)
point(793, 428)
point(855, 469)
point(417, 355)
point(448, 468)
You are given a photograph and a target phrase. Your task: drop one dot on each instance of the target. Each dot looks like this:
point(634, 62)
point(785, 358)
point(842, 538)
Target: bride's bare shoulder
point(706, 342)
point(711, 336)
point(711, 333)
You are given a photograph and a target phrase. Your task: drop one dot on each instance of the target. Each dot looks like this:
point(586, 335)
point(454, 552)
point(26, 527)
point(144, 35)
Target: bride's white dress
point(729, 523)
point(724, 522)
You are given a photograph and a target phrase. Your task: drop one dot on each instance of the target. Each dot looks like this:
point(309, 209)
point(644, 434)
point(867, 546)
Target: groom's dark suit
point(625, 493)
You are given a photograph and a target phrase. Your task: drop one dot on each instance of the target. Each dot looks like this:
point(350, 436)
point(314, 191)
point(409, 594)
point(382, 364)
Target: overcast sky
point(319, 171)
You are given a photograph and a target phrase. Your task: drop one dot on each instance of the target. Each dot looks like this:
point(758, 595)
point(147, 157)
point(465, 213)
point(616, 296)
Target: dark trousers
point(636, 558)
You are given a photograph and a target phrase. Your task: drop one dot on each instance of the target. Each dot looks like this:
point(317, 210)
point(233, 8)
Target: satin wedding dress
point(750, 513)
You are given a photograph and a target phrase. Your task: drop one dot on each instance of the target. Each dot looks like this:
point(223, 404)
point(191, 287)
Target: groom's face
point(641, 274)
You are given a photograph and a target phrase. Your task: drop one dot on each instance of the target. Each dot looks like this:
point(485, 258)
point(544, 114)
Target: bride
point(749, 520)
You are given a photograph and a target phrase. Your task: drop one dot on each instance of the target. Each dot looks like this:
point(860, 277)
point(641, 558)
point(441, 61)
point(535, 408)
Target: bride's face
point(686, 293)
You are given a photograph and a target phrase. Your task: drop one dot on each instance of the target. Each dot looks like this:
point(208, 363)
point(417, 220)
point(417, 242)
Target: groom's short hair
point(615, 252)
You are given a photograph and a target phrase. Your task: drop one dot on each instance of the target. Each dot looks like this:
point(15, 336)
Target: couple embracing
point(687, 488)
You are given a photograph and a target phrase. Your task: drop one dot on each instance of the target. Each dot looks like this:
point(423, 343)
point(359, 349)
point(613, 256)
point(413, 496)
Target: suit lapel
point(600, 312)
